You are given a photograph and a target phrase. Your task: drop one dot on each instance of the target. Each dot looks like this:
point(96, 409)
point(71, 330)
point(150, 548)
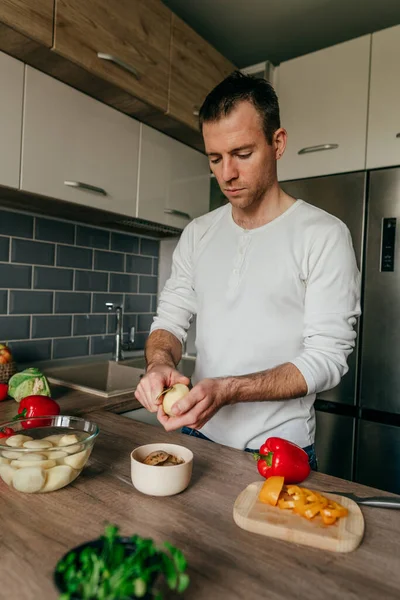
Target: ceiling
point(252, 31)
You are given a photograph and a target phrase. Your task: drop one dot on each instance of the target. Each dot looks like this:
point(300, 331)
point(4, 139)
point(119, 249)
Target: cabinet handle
point(196, 111)
point(119, 62)
point(318, 148)
point(178, 213)
point(86, 186)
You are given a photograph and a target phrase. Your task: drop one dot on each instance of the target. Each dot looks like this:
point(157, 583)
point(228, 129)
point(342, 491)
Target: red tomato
point(3, 391)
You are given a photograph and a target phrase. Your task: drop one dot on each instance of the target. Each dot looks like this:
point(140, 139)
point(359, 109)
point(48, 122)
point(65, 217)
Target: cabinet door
point(34, 19)
point(323, 99)
point(384, 105)
point(133, 39)
point(196, 68)
point(11, 94)
point(174, 180)
point(77, 149)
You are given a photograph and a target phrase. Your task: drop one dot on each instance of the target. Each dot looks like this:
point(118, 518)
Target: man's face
point(241, 159)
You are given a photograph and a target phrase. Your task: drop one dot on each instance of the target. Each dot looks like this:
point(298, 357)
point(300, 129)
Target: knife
point(377, 501)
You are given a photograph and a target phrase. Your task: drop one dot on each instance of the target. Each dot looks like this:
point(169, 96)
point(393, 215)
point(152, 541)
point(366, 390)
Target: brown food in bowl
point(160, 458)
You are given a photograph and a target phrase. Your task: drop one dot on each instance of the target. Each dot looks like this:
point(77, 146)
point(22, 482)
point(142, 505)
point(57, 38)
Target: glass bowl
point(45, 454)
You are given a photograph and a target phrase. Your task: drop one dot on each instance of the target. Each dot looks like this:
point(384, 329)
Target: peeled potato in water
point(58, 477)
point(178, 391)
point(29, 480)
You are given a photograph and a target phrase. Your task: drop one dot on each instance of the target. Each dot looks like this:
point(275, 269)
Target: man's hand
point(197, 407)
point(154, 382)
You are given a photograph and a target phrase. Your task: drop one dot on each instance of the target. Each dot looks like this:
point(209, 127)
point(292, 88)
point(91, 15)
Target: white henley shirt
point(288, 291)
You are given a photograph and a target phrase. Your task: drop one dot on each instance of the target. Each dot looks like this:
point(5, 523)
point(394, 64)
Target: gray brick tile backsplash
point(17, 224)
point(139, 264)
point(147, 285)
point(14, 328)
point(33, 253)
point(124, 243)
point(72, 302)
point(120, 282)
point(51, 326)
point(15, 276)
point(99, 301)
point(150, 247)
point(3, 301)
point(108, 261)
point(27, 302)
point(102, 344)
point(29, 352)
point(95, 238)
point(69, 256)
point(155, 266)
point(91, 281)
point(60, 275)
point(137, 304)
point(4, 248)
point(144, 322)
point(70, 347)
point(51, 278)
point(54, 231)
point(90, 324)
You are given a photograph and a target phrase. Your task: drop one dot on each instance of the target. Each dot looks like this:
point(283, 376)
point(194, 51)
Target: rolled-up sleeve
point(177, 303)
point(332, 305)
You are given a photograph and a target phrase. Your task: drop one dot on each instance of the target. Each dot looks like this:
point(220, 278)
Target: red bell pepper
point(37, 406)
point(3, 391)
point(284, 459)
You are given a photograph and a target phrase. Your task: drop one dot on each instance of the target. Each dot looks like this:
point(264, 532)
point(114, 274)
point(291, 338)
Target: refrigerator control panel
point(388, 244)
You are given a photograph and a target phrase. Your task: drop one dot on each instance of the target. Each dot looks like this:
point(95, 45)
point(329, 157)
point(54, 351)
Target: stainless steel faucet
point(120, 347)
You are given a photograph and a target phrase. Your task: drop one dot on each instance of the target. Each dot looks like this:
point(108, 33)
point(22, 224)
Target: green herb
point(115, 573)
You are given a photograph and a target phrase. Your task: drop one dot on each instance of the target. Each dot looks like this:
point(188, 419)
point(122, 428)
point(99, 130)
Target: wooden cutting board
point(255, 516)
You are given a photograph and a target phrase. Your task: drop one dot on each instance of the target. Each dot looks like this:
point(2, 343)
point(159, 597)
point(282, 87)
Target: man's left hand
point(197, 407)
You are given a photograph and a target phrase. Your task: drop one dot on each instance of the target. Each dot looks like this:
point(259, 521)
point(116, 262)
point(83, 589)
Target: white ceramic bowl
point(161, 481)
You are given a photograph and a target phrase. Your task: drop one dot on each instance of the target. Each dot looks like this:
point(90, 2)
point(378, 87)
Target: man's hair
point(236, 88)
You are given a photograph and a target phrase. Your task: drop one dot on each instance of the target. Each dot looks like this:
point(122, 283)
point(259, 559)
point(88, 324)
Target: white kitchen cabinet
point(77, 149)
point(174, 180)
point(323, 98)
point(383, 147)
point(11, 96)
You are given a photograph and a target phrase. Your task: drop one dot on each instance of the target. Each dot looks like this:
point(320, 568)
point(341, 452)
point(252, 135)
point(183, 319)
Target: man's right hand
point(156, 379)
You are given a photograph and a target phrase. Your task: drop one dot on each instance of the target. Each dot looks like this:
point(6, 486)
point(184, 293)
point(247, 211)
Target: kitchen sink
point(105, 378)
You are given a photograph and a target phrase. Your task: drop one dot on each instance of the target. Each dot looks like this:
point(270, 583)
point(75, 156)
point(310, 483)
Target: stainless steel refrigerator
point(358, 423)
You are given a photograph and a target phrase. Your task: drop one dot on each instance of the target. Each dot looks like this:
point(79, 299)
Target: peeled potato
point(7, 473)
point(29, 456)
point(178, 391)
point(17, 441)
point(73, 449)
point(10, 454)
point(54, 439)
point(43, 464)
point(68, 439)
point(77, 461)
point(59, 477)
point(29, 480)
point(38, 444)
point(56, 454)
point(4, 461)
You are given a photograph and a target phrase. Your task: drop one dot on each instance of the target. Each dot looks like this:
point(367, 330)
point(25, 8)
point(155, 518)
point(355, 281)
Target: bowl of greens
point(120, 568)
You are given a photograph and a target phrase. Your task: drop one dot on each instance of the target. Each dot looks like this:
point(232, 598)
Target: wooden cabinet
point(324, 101)
point(33, 18)
point(383, 148)
point(196, 68)
point(11, 95)
point(174, 180)
point(126, 43)
point(75, 148)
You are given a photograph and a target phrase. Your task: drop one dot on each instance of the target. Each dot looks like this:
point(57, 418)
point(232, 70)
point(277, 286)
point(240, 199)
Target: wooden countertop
point(224, 561)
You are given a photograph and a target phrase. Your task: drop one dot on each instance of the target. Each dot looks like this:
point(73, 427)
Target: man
point(274, 284)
